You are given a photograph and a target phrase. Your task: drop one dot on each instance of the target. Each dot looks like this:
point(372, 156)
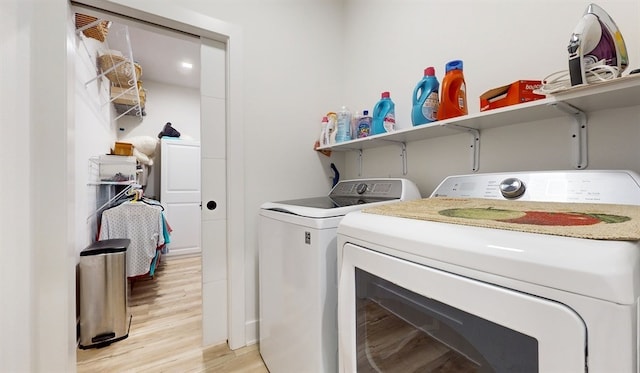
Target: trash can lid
point(114, 245)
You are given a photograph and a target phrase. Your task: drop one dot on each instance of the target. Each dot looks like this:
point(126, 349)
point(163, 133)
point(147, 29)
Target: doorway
point(226, 293)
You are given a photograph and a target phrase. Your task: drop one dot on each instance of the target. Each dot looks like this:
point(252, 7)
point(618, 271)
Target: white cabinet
point(576, 102)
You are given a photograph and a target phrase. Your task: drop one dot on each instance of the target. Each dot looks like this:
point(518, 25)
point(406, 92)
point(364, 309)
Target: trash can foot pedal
point(103, 337)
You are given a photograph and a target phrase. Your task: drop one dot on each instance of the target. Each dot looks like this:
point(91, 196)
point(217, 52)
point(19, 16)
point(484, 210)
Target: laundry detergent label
point(364, 127)
point(389, 123)
point(430, 107)
point(462, 97)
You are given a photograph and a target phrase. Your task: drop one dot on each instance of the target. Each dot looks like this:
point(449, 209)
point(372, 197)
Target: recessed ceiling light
point(187, 65)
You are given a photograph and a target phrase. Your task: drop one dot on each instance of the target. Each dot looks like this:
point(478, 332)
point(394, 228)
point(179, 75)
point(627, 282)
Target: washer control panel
point(582, 186)
point(379, 188)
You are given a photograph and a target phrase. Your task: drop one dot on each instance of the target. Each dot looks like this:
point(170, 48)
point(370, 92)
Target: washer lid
point(349, 195)
point(324, 207)
point(333, 202)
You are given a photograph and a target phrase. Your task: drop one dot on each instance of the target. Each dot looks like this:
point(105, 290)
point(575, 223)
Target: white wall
point(37, 269)
point(16, 270)
point(499, 41)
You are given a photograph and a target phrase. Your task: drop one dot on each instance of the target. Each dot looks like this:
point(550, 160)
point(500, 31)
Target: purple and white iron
point(596, 42)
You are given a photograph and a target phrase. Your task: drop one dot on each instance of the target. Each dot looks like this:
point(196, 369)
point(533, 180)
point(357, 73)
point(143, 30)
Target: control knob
point(512, 188)
point(361, 188)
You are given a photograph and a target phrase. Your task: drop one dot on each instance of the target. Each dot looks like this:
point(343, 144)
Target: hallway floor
point(166, 332)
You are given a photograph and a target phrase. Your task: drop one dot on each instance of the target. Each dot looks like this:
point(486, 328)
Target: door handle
point(211, 205)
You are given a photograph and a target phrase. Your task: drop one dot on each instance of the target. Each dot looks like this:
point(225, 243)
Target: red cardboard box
point(511, 94)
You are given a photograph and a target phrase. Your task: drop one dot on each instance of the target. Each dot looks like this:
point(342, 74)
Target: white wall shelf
point(618, 93)
point(132, 91)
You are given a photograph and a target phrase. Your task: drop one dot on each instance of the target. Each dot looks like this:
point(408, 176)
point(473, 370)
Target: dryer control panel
point(582, 186)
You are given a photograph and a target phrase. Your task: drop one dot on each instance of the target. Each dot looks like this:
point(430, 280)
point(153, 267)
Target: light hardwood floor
point(394, 345)
point(165, 334)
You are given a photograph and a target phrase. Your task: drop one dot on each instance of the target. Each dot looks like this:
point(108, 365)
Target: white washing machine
point(297, 272)
point(417, 295)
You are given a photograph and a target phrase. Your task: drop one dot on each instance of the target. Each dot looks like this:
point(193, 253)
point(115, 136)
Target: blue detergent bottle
point(384, 115)
point(425, 99)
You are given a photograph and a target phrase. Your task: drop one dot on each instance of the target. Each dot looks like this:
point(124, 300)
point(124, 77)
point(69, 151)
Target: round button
point(361, 188)
point(512, 188)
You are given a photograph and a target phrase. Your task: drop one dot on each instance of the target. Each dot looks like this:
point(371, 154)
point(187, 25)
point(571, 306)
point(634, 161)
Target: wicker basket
point(98, 32)
point(124, 96)
point(122, 75)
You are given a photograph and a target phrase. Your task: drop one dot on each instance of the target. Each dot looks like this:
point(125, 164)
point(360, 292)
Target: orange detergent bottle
point(453, 92)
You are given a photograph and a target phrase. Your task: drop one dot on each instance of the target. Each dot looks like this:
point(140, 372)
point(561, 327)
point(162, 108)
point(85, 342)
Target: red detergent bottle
point(453, 92)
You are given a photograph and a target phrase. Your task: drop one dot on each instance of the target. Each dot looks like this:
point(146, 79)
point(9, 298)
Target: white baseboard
point(251, 332)
point(183, 252)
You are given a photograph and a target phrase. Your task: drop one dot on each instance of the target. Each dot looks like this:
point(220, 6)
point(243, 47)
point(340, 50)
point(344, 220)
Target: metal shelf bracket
point(475, 145)
point(359, 162)
point(579, 147)
point(403, 155)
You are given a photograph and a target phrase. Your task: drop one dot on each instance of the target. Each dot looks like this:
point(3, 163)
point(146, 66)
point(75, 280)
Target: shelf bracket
point(359, 162)
point(475, 145)
point(403, 155)
point(579, 147)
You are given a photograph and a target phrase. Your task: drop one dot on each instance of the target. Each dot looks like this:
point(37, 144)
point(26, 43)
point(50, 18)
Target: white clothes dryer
point(298, 272)
point(418, 295)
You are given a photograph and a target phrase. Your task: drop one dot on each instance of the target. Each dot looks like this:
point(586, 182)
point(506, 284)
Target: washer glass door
point(395, 315)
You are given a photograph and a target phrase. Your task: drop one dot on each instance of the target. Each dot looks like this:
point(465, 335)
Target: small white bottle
point(354, 125)
point(343, 132)
point(330, 133)
point(323, 139)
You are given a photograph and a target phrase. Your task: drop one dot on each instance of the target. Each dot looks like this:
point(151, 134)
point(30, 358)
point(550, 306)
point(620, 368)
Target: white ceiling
point(160, 52)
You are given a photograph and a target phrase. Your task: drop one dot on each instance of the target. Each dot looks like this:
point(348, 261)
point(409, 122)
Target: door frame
point(182, 19)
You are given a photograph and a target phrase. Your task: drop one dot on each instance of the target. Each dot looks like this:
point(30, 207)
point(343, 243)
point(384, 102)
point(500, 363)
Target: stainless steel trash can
point(103, 293)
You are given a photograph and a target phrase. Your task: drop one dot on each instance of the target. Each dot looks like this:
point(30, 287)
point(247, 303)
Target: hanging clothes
point(143, 225)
